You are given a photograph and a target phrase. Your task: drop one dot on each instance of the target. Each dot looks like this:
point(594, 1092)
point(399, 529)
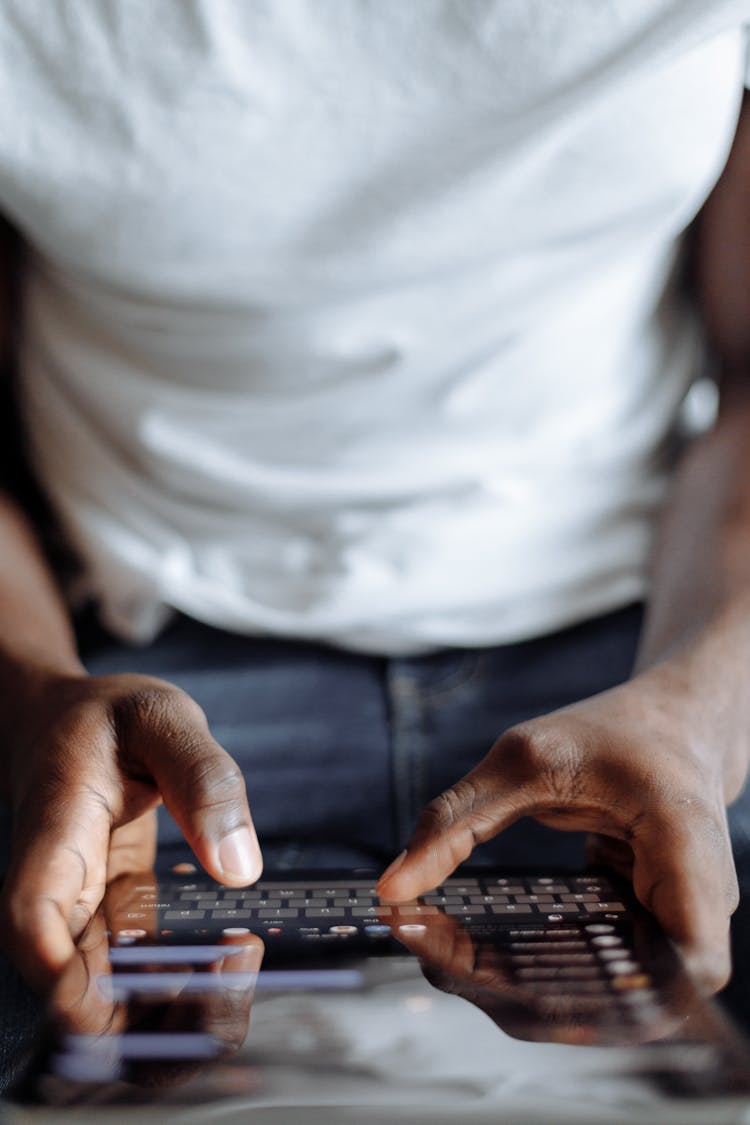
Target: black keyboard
point(315, 904)
point(562, 939)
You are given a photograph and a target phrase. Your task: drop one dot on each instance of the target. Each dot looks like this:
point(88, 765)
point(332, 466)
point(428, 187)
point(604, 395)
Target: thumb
point(201, 785)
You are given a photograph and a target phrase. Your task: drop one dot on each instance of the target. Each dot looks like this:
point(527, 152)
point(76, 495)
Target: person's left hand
point(646, 769)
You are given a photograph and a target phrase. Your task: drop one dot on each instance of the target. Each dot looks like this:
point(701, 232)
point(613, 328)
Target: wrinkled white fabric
point(352, 320)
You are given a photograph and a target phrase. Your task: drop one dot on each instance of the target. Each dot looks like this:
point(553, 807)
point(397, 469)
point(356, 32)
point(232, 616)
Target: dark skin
point(647, 768)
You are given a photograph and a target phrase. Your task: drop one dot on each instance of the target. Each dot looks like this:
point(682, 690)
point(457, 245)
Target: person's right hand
point(90, 761)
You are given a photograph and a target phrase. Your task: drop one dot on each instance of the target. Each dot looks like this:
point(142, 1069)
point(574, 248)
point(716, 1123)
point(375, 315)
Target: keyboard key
point(535, 898)
point(637, 981)
point(224, 914)
point(174, 915)
point(512, 908)
point(418, 908)
point(548, 946)
point(558, 908)
point(487, 899)
point(215, 904)
point(468, 911)
point(618, 968)
point(444, 900)
point(281, 912)
point(548, 888)
point(610, 907)
point(370, 911)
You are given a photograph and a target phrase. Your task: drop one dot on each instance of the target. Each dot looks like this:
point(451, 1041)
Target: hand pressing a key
point(84, 762)
point(647, 768)
point(90, 759)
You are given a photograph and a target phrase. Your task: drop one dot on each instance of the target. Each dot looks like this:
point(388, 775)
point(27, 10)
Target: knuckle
point(187, 710)
point(156, 706)
point(147, 719)
point(521, 749)
point(550, 761)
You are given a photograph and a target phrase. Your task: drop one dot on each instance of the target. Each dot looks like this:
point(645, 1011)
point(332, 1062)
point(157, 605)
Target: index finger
point(472, 811)
point(200, 783)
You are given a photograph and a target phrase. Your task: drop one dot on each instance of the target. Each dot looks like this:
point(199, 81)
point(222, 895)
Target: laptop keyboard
point(564, 940)
point(355, 903)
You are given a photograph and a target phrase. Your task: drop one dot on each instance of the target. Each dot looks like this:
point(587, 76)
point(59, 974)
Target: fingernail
point(393, 867)
point(239, 856)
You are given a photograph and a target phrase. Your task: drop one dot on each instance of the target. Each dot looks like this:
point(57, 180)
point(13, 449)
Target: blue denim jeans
point(341, 751)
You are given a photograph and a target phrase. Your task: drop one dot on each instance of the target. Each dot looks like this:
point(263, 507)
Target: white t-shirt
point(351, 320)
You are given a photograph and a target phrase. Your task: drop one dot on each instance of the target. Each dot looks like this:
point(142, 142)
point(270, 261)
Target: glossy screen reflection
point(438, 1020)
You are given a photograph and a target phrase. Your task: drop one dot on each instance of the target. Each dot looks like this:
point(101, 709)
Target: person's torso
point(348, 319)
